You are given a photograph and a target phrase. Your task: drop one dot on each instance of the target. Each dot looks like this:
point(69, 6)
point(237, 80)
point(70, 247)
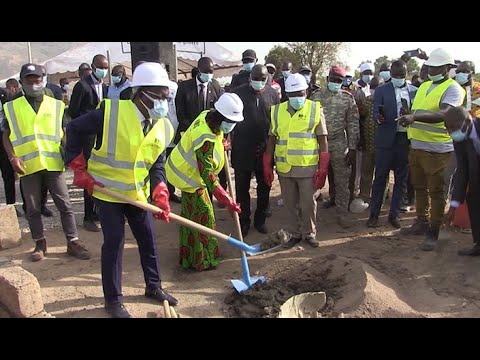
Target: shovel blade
point(245, 284)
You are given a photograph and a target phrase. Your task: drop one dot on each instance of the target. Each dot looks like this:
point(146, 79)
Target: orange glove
point(81, 178)
point(322, 171)
point(160, 198)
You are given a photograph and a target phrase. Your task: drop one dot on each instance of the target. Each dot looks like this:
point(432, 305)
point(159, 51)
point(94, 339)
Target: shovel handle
point(231, 190)
point(166, 307)
point(152, 208)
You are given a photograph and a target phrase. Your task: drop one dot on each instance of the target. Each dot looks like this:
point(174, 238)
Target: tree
point(278, 54)
point(379, 62)
point(319, 56)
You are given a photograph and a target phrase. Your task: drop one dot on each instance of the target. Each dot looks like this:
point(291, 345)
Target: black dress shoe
point(475, 251)
point(90, 225)
point(161, 295)
point(395, 222)
point(372, 222)
point(262, 228)
point(117, 311)
point(46, 212)
point(174, 198)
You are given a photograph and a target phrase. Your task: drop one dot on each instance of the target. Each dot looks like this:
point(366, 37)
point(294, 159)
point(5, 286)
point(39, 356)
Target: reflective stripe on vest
point(35, 141)
point(426, 132)
point(296, 143)
point(182, 166)
point(124, 160)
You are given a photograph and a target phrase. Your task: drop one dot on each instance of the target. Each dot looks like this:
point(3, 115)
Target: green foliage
point(278, 54)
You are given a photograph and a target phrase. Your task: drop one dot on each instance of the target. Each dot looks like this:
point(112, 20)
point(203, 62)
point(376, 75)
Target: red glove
point(81, 178)
point(322, 171)
point(226, 145)
point(160, 198)
point(267, 169)
point(225, 199)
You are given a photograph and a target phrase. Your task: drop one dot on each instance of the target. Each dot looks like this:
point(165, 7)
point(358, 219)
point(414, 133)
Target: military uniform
point(341, 117)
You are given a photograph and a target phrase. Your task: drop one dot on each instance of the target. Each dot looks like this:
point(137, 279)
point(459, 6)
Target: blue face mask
point(459, 135)
point(334, 87)
point(205, 77)
point(308, 78)
point(116, 79)
point(385, 75)
point(347, 81)
point(462, 78)
point(436, 78)
point(258, 85)
point(285, 74)
point(297, 102)
point(367, 78)
point(398, 82)
point(160, 108)
point(227, 127)
point(101, 73)
point(248, 66)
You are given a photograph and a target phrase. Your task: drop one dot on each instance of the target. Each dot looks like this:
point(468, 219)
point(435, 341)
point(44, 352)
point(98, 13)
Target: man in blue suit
point(391, 101)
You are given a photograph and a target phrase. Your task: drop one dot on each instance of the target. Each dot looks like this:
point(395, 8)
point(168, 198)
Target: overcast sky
point(360, 51)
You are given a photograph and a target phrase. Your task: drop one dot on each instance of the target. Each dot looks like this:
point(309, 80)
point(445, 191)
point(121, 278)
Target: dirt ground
point(383, 274)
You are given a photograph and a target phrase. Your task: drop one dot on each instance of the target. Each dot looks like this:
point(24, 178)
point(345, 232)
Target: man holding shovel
point(129, 157)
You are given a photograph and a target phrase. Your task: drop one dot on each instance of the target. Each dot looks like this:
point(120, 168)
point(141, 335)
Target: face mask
point(385, 75)
point(462, 78)
point(227, 127)
point(248, 66)
point(285, 74)
point(65, 88)
point(347, 82)
point(33, 90)
point(160, 108)
point(116, 79)
point(334, 87)
point(458, 135)
point(297, 102)
point(308, 78)
point(101, 73)
point(398, 82)
point(436, 78)
point(206, 77)
point(452, 73)
point(367, 78)
point(258, 85)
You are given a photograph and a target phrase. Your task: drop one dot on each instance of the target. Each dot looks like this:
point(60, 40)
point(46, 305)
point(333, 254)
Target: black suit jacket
point(84, 97)
point(468, 172)
point(281, 82)
point(186, 102)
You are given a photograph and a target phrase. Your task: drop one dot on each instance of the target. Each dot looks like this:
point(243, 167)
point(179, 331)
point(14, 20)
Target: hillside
point(14, 54)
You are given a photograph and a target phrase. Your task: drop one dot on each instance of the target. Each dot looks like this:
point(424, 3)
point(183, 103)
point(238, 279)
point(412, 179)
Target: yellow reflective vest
point(36, 137)
point(124, 160)
point(425, 132)
point(182, 166)
point(297, 143)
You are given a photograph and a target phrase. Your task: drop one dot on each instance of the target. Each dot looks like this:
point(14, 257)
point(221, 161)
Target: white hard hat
point(358, 206)
point(295, 82)
point(440, 57)
point(231, 106)
point(150, 74)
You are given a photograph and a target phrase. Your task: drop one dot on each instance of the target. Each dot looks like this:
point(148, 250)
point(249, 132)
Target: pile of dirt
point(274, 239)
point(333, 275)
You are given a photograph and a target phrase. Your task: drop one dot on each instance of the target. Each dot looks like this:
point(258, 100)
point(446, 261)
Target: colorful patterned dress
point(198, 251)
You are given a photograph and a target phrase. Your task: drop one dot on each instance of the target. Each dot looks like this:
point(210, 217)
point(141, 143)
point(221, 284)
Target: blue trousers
point(112, 218)
point(396, 159)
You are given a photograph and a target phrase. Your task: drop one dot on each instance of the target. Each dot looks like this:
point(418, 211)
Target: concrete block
point(19, 292)
point(10, 234)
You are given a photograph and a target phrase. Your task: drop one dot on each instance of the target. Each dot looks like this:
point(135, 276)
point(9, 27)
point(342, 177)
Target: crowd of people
point(146, 137)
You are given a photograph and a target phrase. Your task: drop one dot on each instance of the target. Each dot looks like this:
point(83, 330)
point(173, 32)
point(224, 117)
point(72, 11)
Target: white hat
point(151, 74)
point(295, 82)
point(349, 71)
point(271, 65)
point(231, 106)
point(367, 66)
point(440, 57)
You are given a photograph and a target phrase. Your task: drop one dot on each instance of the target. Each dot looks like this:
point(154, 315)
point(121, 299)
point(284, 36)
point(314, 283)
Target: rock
point(10, 234)
point(19, 292)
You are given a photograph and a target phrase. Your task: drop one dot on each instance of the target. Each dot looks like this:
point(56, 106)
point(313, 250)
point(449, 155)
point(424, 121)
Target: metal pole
point(29, 52)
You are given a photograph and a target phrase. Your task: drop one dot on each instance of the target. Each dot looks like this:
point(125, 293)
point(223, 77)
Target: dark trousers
point(43, 199)
point(242, 190)
point(410, 195)
point(395, 158)
point(112, 218)
point(88, 203)
point(473, 203)
point(171, 188)
point(8, 175)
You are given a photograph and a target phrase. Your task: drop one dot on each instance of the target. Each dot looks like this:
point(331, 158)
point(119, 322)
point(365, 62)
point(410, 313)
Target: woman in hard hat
point(193, 167)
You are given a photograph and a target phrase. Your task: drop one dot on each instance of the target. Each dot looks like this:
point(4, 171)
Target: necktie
point(201, 98)
point(146, 127)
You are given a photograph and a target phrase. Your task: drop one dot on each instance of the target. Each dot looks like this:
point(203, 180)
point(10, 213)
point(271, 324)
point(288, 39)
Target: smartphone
point(405, 107)
point(381, 110)
point(413, 53)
